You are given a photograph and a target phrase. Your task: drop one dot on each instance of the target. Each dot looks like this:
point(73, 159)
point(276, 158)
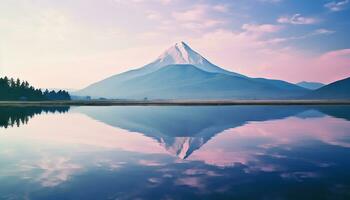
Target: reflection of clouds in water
point(50, 172)
point(244, 145)
point(150, 163)
point(154, 181)
point(194, 182)
point(221, 158)
point(262, 167)
point(197, 171)
point(299, 176)
point(110, 164)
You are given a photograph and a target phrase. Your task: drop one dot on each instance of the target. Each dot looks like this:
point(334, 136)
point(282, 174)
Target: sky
point(73, 43)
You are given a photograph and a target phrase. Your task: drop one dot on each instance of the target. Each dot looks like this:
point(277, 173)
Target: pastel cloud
point(261, 28)
point(271, 1)
point(323, 31)
point(335, 6)
point(285, 62)
point(164, 2)
point(221, 8)
point(198, 16)
point(297, 19)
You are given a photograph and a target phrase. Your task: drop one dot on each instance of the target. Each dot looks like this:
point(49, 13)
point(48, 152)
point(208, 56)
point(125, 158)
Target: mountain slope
point(190, 82)
point(190, 76)
point(336, 90)
point(310, 85)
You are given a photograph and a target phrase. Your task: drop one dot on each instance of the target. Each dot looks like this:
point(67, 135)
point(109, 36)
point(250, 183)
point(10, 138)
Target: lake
point(175, 152)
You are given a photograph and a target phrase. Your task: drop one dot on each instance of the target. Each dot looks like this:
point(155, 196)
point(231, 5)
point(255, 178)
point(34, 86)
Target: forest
point(17, 90)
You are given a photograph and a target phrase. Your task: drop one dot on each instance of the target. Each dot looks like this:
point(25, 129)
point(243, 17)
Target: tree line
point(11, 89)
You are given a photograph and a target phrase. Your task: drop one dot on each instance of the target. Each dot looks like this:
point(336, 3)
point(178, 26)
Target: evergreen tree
point(11, 89)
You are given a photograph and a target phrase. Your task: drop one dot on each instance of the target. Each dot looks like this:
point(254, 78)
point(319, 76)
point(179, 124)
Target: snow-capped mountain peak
point(181, 53)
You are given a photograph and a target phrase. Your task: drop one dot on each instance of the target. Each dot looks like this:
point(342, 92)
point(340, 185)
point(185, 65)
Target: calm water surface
point(219, 152)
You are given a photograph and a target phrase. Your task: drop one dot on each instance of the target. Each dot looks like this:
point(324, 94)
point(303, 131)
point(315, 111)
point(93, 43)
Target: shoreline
point(172, 102)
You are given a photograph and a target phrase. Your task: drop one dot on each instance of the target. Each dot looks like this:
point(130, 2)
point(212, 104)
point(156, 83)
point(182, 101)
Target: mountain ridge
point(339, 90)
point(310, 85)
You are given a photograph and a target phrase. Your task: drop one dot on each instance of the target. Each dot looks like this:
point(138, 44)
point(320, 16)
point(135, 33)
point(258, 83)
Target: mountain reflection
point(182, 130)
point(283, 152)
point(16, 116)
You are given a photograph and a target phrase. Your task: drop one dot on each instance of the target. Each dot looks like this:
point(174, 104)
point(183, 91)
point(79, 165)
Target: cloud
point(221, 8)
point(335, 6)
point(323, 31)
point(153, 15)
point(271, 1)
point(235, 50)
point(261, 28)
point(296, 19)
point(316, 32)
point(197, 13)
point(198, 17)
point(164, 2)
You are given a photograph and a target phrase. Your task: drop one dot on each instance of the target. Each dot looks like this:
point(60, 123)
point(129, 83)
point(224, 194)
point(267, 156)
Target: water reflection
point(229, 152)
point(182, 130)
point(16, 116)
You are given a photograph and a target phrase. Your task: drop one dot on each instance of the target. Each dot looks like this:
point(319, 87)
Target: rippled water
point(218, 152)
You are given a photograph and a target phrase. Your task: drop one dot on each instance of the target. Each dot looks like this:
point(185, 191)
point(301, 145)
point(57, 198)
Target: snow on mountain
point(181, 53)
point(182, 147)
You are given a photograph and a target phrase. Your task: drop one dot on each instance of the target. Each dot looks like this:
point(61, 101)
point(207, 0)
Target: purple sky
point(70, 44)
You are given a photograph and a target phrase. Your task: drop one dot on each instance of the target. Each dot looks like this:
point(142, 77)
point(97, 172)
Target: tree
point(11, 89)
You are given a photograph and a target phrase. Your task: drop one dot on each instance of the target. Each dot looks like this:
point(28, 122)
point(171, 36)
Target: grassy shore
point(172, 102)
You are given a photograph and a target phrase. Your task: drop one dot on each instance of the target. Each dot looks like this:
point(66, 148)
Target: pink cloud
point(297, 19)
point(251, 55)
point(198, 17)
point(261, 28)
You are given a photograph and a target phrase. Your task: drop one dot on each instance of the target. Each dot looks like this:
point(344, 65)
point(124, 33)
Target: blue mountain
point(182, 73)
point(336, 90)
point(310, 85)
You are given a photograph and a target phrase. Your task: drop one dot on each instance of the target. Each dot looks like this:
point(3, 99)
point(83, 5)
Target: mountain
point(181, 53)
point(336, 90)
point(310, 85)
point(182, 73)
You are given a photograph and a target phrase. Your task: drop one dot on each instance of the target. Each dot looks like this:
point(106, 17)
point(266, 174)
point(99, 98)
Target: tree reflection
point(17, 116)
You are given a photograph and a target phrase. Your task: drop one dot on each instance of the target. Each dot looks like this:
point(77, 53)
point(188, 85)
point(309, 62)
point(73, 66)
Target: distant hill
point(337, 90)
point(310, 85)
point(182, 73)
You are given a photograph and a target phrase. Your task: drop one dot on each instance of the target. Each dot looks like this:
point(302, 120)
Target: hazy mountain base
point(189, 82)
